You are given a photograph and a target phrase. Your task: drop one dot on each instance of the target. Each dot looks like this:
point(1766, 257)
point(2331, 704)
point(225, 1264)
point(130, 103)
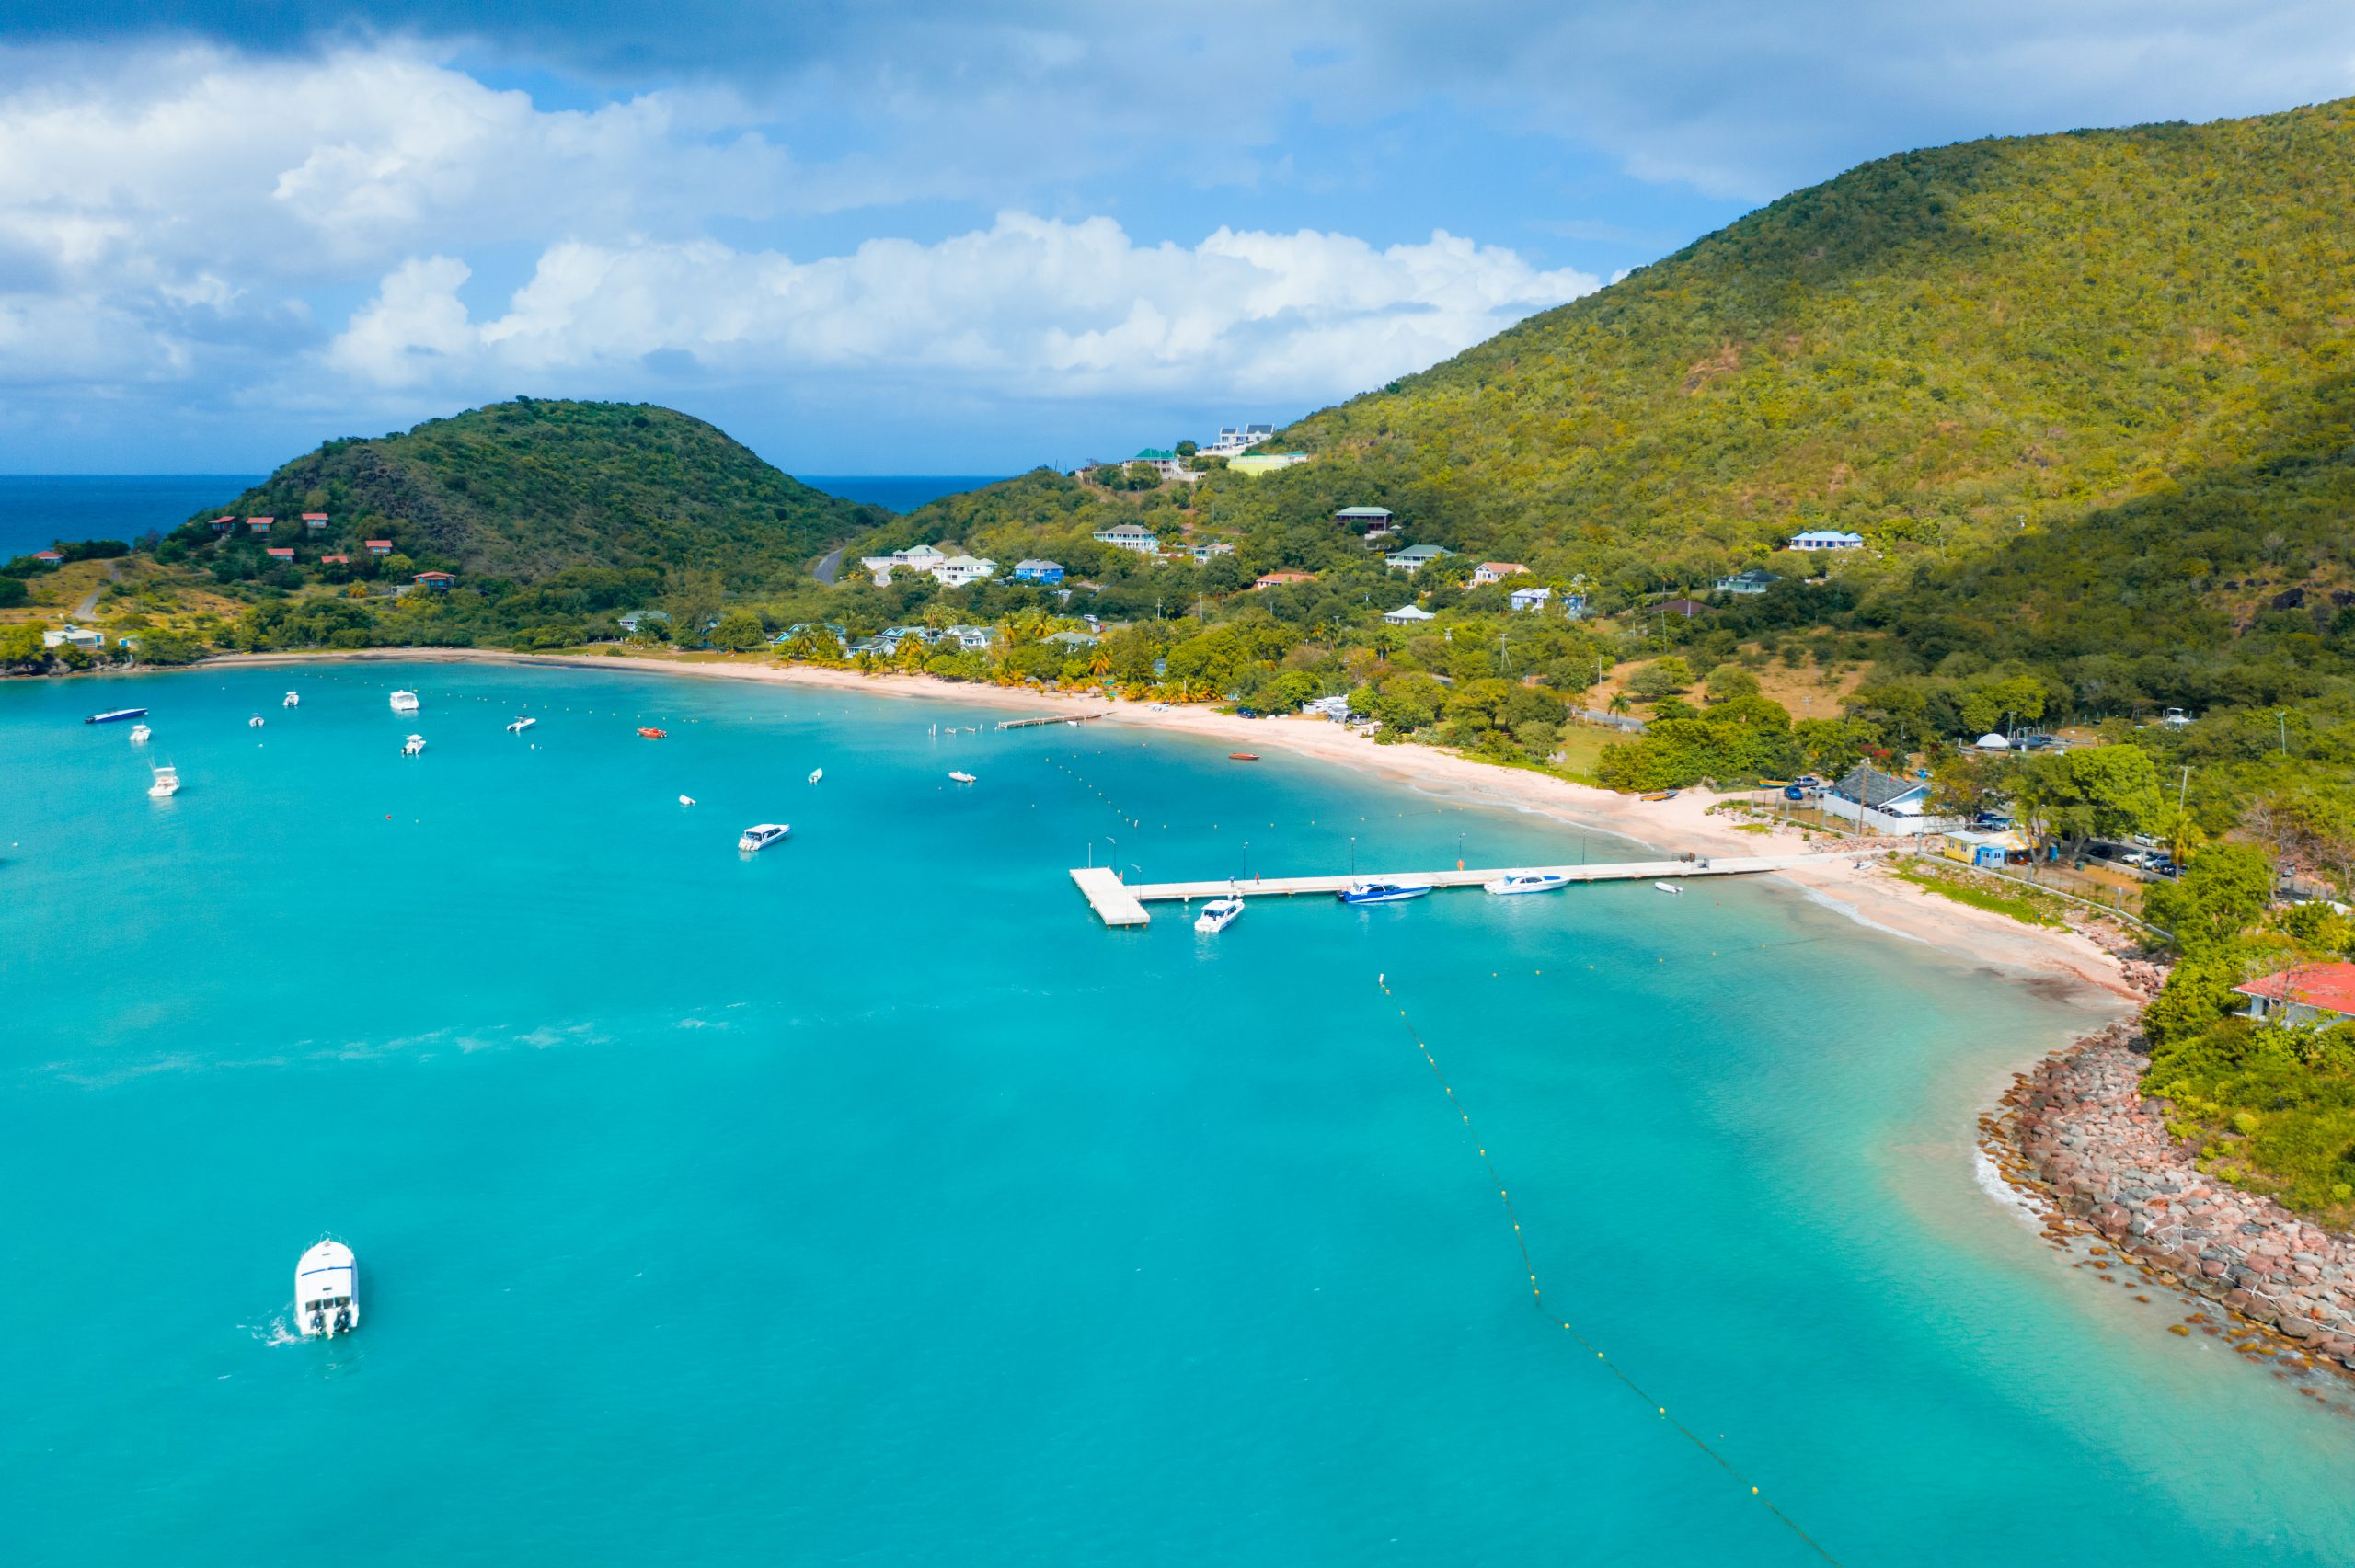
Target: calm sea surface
point(864, 1202)
point(899, 492)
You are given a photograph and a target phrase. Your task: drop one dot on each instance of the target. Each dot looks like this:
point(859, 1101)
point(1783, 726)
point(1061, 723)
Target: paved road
point(829, 566)
point(89, 605)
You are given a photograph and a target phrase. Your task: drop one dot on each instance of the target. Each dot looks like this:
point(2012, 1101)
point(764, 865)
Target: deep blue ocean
point(864, 1202)
point(38, 510)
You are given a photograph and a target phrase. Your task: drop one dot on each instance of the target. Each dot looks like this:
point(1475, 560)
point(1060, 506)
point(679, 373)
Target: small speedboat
point(762, 835)
point(521, 725)
point(1668, 888)
point(686, 800)
point(404, 702)
point(166, 784)
point(414, 746)
point(1527, 882)
point(140, 734)
point(326, 1291)
point(254, 723)
point(292, 700)
point(1243, 756)
point(1375, 891)
point(817, 773)
point(1218, 914)
point(651, 733)
point(116, 715)
point(963, 777)
point(1660, 794)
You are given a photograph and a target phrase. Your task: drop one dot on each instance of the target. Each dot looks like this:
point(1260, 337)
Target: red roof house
point(380, 546)
point(222, 525)
point(49, 554)
point(280, 552)
point(434, 579)
point(260, 524)
point(1277, 579)
point(2309, 993)
point(315, 521)
point(335, 560)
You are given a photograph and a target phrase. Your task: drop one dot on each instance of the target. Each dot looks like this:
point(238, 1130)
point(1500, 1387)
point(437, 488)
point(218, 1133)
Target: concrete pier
point(1120, 903)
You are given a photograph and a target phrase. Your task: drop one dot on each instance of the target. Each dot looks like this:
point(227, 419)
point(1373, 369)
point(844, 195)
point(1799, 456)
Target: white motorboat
point(817, 773)
point(1668, 888)
point(326, 1291)
point(521, 725)
point(686, 800)
point(1218, 914)
point(166, 784)
point(1527, 882)
point(964, 778)
point(1372, 890)
point(140, 734)
point(414, 746)
point(254, 723)
point(760, 835)
point(292, 700)
point(404, 702)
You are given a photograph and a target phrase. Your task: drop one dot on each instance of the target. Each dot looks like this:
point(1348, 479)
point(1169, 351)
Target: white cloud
point(1031, 307)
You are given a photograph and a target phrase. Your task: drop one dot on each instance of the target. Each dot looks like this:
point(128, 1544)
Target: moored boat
point(116, 715)
point(326, 1291)
point(1661, 794)
point(1381, 890)
point(140, 734)
point(292, 700)
point(518, 725)
point(413, 745)
point(254, 723)
point(166, 784)
point(1243, 756)
point(1527, 882)
point(686, 800)
point(651, 733)
point(760, 835)
point(404, 702)
point(963, 777)
point(1668, 888)
point(817, 773)
point(1218, 914)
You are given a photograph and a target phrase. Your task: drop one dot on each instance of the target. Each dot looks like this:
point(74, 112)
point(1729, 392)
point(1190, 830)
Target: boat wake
point(1816, 896)
point(276, 1330)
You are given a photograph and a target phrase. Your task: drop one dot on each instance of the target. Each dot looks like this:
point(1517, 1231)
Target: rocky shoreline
point(2075, 1138)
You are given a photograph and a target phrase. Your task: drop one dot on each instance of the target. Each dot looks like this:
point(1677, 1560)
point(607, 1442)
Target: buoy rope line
point(1537, 1295)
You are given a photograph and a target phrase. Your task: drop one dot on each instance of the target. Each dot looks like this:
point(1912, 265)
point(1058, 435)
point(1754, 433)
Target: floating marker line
point(1537, 1295)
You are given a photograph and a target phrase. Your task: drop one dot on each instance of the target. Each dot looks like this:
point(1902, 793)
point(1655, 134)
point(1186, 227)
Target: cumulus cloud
point(1039, 308)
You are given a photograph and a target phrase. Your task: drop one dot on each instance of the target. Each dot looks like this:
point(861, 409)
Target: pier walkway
point(1120, 903)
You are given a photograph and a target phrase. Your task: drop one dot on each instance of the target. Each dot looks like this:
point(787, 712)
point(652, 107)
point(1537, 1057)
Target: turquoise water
point(864, 1202)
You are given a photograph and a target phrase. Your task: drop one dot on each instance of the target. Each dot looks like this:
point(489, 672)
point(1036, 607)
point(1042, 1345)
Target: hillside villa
point(1281, 580)
point(1128, 536)
point(1366, 517)
point(1827, 538)
point(280, 552)
point(1685, 609)
point(380, 546)
point(1532, 598)
point(438, 581)
point(2311, 993)
point(1415, 558)
point(1168, 465)
point(1747, 584)
point(260, 524)
point(1408, 615)
point(49, 557)
point(314, 522)
point(1236, 440)
point(1496, 571)
point(1038, 571)
point(959, 570)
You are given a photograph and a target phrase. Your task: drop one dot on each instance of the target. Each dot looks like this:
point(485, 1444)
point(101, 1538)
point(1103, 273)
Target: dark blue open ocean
point(38, 510)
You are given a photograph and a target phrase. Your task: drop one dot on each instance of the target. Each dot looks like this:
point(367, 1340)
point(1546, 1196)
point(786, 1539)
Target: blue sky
point(932, 236)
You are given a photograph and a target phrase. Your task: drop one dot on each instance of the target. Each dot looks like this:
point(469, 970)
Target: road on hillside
point(830, 566)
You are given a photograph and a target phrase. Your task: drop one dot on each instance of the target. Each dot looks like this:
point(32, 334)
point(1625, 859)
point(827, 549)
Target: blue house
point(1039, 571)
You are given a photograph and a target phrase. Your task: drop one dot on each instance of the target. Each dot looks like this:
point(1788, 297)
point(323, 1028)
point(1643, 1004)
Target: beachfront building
point(438, 581)
point(1334, 708)
point(2311, 993)
point(1496, 571)
point(1408, 615)
point(260, 524)
point(1882, 803)
point(315, 522)
point(637, 619)
point(1415, 558)
point(1072, 642)
point(972, 639)
point(959, 570)
point(1129, 536)
point(380, 547)
point(1532, 598)
point(1747, 585)
point(1827, 538)
point(1283, 579)
point(72, 637)
point(1252, 464)
point(1039, 571)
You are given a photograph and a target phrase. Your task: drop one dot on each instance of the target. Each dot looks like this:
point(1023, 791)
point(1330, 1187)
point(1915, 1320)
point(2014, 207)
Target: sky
point(936, 237)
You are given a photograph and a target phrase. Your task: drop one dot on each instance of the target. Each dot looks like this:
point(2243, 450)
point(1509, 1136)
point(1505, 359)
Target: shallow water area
point(863, 1200)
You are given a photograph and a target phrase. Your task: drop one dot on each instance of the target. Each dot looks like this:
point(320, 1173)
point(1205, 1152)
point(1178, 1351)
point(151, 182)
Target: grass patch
point(2025, 908)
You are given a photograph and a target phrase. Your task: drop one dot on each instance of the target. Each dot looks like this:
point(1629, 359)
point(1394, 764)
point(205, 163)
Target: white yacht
point(964, 777)
point(1527, 882)
point(817, 773)
point(414, 746)
point(140, 734)
point(1218, 914)
point(293, 700)
point(404, 702)
point(326, 1291)
point(760, 835)
point(521, 725)
point(686, 800)
point(166, 784)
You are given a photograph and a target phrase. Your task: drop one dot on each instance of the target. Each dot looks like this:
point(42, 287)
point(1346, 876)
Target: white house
point(1415, 558)
point(959, 570)
point(1236, 439)
point(1408, 615)
point(1882, 803)
point(1748, 584)
point(1827, 538)
point(1532, 598)
point(1129, 536)
point(72, 637)
point(1496, 571)
point(972, 639)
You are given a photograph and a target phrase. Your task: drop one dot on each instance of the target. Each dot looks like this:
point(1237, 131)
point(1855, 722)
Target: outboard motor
point(318, 1322)
point(343, 1320)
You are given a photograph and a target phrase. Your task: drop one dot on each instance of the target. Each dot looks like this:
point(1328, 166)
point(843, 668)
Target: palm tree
point(1619, 704)
point(1101, 665)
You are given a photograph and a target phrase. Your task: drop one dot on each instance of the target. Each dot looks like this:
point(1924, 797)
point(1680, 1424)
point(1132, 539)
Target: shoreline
point(2091, 1160)
point(1860, 892)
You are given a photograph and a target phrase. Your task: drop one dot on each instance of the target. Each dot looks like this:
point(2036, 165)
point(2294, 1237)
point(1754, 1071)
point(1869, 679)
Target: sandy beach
point(1685, 823)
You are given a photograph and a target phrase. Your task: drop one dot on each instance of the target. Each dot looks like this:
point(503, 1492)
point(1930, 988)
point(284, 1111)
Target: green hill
point(526, 490)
